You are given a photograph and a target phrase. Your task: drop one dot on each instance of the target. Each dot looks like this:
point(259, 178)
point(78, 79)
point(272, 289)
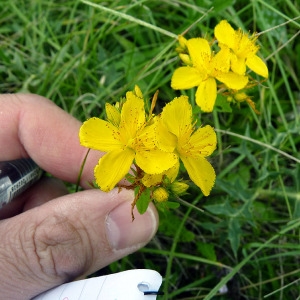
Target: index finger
point(33, 126)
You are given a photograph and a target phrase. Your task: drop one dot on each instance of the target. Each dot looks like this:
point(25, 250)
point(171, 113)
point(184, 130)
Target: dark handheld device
point(16, 176)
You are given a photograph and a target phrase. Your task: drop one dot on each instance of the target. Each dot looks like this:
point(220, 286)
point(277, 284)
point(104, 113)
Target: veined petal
point(246, 45)
point(113, 167)
point(233, 81)
point(185, 78)
point(199, 51)
point(257, 65)
point(203, 141)
point(132, 116)
point(146, 138)
point(221, 61)
point(99, 135)
point(155, 161)
point(200, 172)
point(225, 34)
point(166, 141)
point(206, 94)
point(153, 179)
point(113, 115)
point(177, 116)
point(238, 65)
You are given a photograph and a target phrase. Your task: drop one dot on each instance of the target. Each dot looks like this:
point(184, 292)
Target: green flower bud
point(179, 188)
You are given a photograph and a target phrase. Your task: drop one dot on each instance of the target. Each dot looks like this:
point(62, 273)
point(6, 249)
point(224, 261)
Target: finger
point(64, 238)
point(41, 192)
point(33, 126)
point(45, 190)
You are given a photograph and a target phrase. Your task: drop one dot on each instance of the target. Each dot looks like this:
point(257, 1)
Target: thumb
point(67, 237)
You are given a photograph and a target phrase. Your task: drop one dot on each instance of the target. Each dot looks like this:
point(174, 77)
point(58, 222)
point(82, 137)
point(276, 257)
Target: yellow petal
point(146, 137)
point(113, 115)
point(233, 81)
point(238, 65)
point(225, 34)
point(204, 141)
point(173, 172)
point(113, 167)
point(152, 179)
point(99, 135)
point(177, 116)
point(185, 78)
point(132, 116)
point(166, 140)
point(200, 172)
point(155, 161)
point(246, 45)
point(200, 52)
point(221, 61)
point(206, 94)
point(257, 65)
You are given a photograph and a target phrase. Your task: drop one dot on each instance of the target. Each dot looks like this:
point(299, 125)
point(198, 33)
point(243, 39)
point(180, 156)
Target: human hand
point(46, 243)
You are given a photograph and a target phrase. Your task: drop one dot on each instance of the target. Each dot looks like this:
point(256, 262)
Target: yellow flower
point(243, 49)
point(126, 137)
point(203, 72)
point(175, 132)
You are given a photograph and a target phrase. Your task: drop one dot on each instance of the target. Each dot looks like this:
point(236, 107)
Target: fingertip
point(127, 235)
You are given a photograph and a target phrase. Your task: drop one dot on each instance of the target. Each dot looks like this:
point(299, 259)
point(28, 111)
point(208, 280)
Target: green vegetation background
point(81, 56)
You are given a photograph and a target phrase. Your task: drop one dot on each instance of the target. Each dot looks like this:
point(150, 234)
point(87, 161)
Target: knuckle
point(61, 247)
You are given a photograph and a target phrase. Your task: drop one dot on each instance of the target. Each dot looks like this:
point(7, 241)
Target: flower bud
point(186, 59)
point(160, 194)
point(182, 45)
point(240, 97)
point(179, 188)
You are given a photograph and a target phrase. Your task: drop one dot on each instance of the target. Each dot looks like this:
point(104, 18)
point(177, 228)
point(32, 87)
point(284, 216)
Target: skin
point(48, 236)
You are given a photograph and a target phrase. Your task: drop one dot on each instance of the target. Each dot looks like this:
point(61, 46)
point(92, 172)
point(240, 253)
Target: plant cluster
point(147, 149)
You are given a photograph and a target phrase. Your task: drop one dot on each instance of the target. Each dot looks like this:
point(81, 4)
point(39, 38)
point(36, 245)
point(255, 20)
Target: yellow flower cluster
point(153, 144)
point(147, 149)
point(226, 68)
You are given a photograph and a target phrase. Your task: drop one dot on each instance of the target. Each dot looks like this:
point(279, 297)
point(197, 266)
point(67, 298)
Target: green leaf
point(234, 234)
point(220, 5)
point(169, 224)
point(221, 209)
point(222, 105)
point(167, 205)
point(234, 189)
point(207, 251)
point(143, 201)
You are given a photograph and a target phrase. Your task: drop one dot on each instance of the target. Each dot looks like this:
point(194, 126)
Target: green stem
point(81, 170)
point(131, 19)
point(259, 143)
